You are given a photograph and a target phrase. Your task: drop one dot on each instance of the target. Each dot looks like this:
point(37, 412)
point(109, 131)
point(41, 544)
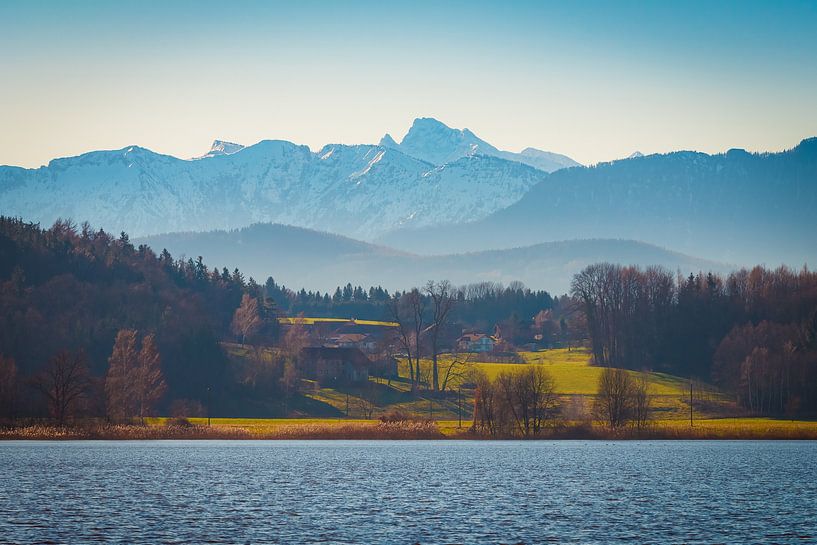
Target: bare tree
point(119, 388)
point(485, 404)
point(366, 401)
point(246, 319)
point(642, 401)
point(408, 312)
point(509, 413)
point(443, 300)
point(403, 334)
point(148, 383)
point(528, 398)
point(615, 397)
point(624, 307)
point(295, 339)
point(543, 399)
point(457, 370)
point(64, 383)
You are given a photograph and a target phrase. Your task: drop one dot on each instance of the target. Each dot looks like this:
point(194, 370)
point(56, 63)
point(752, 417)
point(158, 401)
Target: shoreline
point(290, 429)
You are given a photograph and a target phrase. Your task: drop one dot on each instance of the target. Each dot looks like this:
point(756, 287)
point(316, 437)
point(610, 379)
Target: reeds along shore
point(340, 430)
point(405, 430)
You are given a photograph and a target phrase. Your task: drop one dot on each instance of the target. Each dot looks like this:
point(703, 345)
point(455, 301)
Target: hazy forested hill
point(304, 258)
point(735, 207)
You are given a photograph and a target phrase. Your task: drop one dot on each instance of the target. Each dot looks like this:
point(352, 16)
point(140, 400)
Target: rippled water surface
point(408, 492)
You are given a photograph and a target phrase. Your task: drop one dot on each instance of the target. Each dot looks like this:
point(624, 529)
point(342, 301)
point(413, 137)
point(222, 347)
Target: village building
point(476, 342)
point(366, 342)
point(333, 364)
point(329, 365)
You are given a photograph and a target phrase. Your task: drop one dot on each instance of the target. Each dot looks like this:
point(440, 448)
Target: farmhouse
point(328, 364)
point(333, 364)
point(364, 341)
point(476, 342)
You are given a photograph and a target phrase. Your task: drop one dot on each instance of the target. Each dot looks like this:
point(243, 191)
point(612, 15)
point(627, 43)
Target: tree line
point(131, 388)
point(752, 332)
point(480, 305)
point(68, 291)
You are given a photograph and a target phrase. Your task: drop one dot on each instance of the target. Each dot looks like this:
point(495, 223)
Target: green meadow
point(574, 376)
point(572, 371)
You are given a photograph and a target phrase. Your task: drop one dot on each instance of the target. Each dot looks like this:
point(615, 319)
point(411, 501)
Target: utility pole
point(208, 406)
point(690, 402)
point(459, 406)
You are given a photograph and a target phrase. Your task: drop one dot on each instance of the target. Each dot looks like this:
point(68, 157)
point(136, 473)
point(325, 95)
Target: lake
point(408, 492)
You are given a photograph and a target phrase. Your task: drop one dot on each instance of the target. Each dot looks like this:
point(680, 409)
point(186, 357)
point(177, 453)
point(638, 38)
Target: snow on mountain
point(222, 147)
point(437, 143)
point(635, 155)
point(361, 191)
point(736, 206)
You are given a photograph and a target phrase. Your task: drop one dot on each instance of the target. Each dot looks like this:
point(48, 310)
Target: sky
point(593, 80)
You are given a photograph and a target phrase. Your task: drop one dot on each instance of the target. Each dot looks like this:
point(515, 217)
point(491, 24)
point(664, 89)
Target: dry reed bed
point(395, 431)
point(124, 432)
point(659, 433)
point(357, 430)
point(350, 430)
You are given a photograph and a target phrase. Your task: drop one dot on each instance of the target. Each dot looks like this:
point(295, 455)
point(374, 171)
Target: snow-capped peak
point(437, 143)
point(635, 155)
point(222, 147)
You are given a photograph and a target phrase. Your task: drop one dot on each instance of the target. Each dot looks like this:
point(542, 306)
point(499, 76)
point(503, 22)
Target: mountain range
point(441, 203)
point(438, 144)
point(300, 257)
point(738, 207)
point(361, 191)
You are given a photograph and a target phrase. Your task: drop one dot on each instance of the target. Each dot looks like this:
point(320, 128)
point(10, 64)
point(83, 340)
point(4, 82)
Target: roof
point(473, 337)
point(350, 337)
point(291, 320)
point(353, 355)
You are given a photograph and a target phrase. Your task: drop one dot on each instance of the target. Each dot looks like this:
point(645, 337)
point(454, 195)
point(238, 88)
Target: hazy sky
point(593, 80)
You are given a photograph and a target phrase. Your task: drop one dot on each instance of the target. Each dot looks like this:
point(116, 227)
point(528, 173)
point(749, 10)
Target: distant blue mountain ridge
point(736, 207)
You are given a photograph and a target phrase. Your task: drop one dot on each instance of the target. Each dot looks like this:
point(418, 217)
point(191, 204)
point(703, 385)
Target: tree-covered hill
point(70, 288)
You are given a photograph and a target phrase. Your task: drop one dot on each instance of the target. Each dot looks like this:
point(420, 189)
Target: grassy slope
point(575, 376)
point(572, 373)
point(571, 370)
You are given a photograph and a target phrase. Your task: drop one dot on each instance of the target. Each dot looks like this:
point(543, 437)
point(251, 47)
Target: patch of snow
point(369, 166)
point(272, 181)
point(221, 147)
point(435, 142)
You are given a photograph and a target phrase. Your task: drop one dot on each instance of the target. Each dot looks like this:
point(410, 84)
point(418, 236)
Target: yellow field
point(289, 320)
point(573, 375)
point(722, 428)
point(571, 371)
point(261, 425)
point(758, 424)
